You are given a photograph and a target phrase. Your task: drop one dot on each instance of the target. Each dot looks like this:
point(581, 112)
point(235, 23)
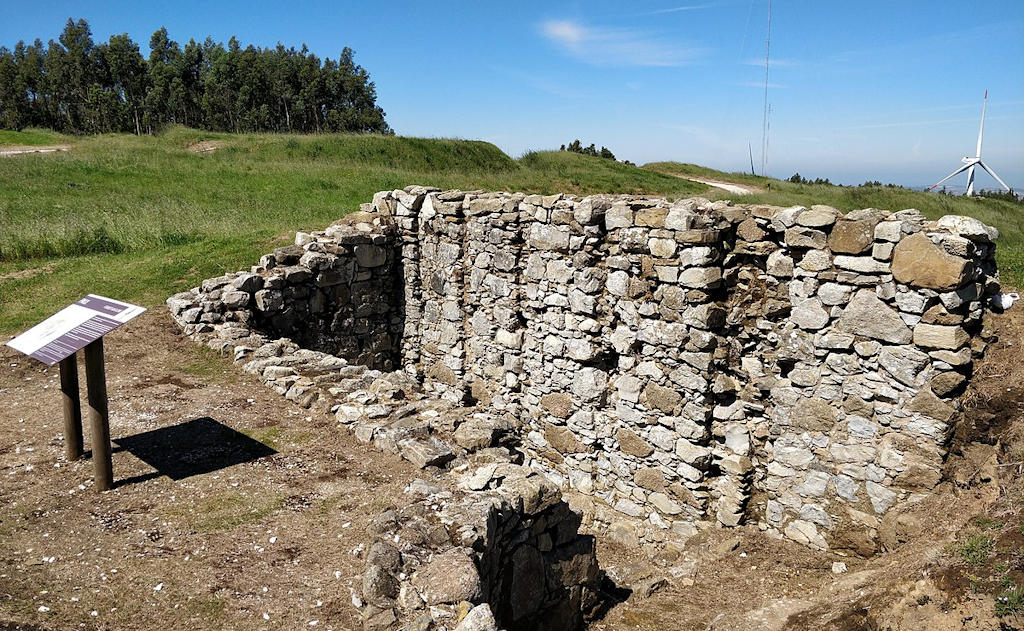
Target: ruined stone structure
point(503, 539)
point(683, 363)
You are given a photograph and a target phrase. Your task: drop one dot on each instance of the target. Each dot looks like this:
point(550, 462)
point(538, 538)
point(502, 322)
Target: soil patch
point(28, 273)
point(205, 146)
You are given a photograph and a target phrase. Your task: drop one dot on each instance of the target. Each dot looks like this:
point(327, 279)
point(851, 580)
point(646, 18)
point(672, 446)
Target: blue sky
point(888, 90)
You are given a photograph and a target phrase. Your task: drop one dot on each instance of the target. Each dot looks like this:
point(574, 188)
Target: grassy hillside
point(1007, 217)
point(30, 138)
point(139, 218)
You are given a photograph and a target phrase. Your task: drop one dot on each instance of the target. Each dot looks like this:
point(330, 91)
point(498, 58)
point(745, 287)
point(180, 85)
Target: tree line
point(577, 147)
point(75, 85)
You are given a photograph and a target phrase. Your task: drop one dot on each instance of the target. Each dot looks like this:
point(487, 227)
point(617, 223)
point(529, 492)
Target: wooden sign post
point(58, 340)
point(72, 407)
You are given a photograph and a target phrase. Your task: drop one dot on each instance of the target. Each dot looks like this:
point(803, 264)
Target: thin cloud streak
point(701, 134)
point(692, 7)
point(602, 46)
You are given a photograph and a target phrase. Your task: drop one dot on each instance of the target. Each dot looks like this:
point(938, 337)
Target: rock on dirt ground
point(237, 509)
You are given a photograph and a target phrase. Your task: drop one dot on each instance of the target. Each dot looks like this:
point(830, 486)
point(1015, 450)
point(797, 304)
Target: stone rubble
point(509, 552)
point(683, 364)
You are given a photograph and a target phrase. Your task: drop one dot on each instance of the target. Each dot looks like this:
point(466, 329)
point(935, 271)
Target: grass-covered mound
point(139, 218)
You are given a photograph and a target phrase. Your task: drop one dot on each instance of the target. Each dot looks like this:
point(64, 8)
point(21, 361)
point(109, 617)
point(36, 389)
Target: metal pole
point(72, 407)
point(96, 384)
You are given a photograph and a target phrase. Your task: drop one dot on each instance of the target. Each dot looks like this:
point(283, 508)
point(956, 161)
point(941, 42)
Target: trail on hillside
point(17, 151)
point(732, 187)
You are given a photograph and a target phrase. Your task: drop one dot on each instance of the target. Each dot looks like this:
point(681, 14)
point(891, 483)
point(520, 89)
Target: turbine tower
point(970, 163)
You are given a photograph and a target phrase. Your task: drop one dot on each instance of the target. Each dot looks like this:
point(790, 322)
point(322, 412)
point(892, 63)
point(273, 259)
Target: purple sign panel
point(75, 340)
point(73, 328)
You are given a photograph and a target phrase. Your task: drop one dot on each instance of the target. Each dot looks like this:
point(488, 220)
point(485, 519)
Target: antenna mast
point(764, 122)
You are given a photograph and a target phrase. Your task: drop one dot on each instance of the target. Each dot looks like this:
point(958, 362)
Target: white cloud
point(614, 46)
point(564, 32)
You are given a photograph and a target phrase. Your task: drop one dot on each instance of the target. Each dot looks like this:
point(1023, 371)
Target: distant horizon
point(873, 91)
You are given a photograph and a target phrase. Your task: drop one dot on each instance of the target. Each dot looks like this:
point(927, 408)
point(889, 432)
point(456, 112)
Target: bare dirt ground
point(264, 543)
point(29, 272)
point(236, 509)
point(17, 151)
point(205, 146)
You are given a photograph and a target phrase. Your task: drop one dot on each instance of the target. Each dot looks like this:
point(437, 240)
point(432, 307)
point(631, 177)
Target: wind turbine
point(970, 163)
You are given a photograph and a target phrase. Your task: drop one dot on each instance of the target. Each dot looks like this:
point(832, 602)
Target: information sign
point(57, 340)
point(72, 328)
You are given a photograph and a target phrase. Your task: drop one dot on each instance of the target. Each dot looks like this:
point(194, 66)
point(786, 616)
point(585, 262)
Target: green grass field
point(140, 218)
point(31, 138)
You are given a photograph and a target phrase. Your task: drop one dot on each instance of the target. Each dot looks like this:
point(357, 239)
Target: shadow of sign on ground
point(199, 446)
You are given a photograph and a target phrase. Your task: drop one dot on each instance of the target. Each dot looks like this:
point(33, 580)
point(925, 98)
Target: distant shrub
point(577, 147)
point(798, 179)
point(1007, 196)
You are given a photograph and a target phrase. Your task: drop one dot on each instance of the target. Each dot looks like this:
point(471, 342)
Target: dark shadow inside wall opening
point(343, 299)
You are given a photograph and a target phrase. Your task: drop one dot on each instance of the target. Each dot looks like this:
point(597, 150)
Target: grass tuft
point(1010, 602)
point(975, 550)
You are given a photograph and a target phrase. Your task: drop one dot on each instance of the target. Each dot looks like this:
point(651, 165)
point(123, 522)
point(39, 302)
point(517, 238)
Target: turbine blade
point(957, 172)
point(993, 174)
point(981, 130)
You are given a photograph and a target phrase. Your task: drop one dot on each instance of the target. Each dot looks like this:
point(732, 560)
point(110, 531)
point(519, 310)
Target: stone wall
point(504, 540)
point(336, 293)
point(685, 363)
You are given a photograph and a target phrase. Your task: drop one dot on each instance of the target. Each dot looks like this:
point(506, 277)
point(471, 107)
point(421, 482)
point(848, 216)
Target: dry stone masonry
point(503, 543)
point(683, 364)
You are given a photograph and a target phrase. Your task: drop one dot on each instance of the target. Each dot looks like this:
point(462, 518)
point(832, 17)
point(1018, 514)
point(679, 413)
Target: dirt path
point(206, 146)
point(29, 272)
point(732, 187)
point(17, 151)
